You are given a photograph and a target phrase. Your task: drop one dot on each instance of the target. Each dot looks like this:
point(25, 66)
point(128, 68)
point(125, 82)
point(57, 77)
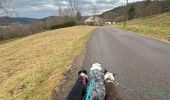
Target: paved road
point(141, 62)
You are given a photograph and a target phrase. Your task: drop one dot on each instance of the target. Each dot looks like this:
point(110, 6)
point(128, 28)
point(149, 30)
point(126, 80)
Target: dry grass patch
point(157, 26)
point(31, 67)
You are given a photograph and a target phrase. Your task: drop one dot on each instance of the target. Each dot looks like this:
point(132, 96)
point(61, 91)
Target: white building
point(108, 23)
point(94, 20)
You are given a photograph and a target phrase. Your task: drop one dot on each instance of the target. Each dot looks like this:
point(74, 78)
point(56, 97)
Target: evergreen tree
point(131, 12)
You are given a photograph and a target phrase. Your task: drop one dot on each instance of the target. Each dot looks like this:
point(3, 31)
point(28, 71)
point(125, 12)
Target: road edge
point(61, 92)
point(140, 34)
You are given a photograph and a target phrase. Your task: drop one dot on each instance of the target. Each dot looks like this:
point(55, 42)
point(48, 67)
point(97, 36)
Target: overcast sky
point(44, 8)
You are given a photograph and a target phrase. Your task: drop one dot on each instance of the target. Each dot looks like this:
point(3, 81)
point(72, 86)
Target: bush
point(80, 23)
point(63, 25)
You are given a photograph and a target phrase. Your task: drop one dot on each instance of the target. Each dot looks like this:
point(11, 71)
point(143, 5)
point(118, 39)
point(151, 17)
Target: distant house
point(108, 23)
point(94, 20)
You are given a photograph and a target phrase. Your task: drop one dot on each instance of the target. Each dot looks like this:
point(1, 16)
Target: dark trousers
point(78, 91)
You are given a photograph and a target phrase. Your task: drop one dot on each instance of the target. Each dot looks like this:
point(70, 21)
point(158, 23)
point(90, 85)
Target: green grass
point(157, 26)
point(31, 67)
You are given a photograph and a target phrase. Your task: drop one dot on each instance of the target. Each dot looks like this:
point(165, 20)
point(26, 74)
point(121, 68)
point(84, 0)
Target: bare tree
point(74, 7)
point(36, 26)
point(2, 8)
point(71, 11)
point(78, 16)
point(73, 4)
point(6, 9)
point(94, 10)
point(60, 12)
point(125, 14)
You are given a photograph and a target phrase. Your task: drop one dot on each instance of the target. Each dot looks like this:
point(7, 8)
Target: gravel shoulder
point(69, 80)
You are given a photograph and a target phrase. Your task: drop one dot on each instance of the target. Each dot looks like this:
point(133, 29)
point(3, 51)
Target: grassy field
point(31, 67)
point(157, 26)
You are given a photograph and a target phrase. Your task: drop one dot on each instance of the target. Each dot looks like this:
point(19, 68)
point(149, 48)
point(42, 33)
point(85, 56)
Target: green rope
point(90, 89)
point(148, 91)
point(157, 91)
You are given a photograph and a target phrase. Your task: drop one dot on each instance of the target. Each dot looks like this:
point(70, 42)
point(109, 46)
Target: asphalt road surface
point(142, 62)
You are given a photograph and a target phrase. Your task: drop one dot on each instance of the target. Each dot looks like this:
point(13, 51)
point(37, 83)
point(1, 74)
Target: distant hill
point(137, 10)
point(49, 17)
point(5, 21)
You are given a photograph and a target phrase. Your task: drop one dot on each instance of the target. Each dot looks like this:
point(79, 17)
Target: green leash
point(157, 91)
point(90, 89)
point(148, 91)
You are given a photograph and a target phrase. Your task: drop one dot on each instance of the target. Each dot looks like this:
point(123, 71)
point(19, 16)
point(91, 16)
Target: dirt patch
point(69, 80)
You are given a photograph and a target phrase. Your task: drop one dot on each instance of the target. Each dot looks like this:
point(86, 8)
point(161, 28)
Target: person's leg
point(79, 90)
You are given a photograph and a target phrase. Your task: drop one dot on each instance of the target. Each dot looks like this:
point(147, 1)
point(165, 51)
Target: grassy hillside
point(157, 26)
point(31, 67)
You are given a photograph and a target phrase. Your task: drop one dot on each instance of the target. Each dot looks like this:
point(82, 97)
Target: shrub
point(63, 25)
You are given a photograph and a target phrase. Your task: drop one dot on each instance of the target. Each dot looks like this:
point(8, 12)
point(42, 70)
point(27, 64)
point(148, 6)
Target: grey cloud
point(44, 8)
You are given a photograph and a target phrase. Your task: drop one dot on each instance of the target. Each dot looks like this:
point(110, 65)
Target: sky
point(45, 8)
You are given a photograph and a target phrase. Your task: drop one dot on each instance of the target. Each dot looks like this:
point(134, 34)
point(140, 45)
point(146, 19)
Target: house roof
point(91, 19)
